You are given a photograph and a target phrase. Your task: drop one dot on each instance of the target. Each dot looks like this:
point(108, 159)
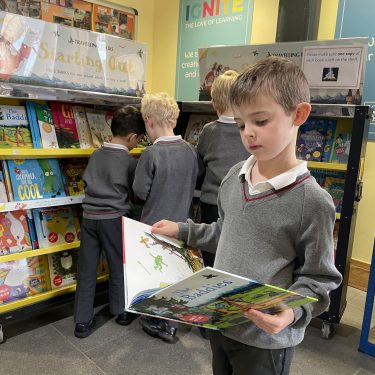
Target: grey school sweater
point(165, 179)
point(108, 180)
point(219, 149)
point(281, 237)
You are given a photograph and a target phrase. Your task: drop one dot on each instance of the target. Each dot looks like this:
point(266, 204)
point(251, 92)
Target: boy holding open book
point(275, 222)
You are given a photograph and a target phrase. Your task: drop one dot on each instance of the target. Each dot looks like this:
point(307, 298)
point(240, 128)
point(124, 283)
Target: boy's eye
point(261, 122)
point(240, 126)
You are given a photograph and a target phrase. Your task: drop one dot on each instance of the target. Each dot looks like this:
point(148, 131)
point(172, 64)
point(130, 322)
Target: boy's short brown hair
point(127, 120)
point(161, 107)
point(221, 88)
point(277, 77)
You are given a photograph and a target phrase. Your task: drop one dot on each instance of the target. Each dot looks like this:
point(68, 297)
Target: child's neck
point(121, 141)
point(265, 170)
point(162, 132)
point(228, 113)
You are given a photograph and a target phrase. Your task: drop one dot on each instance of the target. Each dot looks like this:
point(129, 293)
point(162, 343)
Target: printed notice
point(333, 67)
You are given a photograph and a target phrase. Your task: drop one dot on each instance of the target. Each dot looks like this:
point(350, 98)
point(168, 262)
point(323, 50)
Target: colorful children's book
point(44, 121)
point(34, 127)
point(54, 226)
point(14, 127)
point(73, 175)
point(83, 129)
point(195, 126)
point(335, 187)
point(14, 232)
point(341, 147)
point(330, 127)
point(62, 268)
point(100, 125)
point(164, 278)
point(35, 179)
point(63, 115)
point(32, 230)
point(22, 278)
point(310, 140)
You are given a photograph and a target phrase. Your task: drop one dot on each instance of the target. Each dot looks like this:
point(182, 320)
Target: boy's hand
point(271, 324)
point(165, 227)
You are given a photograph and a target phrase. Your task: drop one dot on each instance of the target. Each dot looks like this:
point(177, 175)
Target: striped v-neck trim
point(266, 194)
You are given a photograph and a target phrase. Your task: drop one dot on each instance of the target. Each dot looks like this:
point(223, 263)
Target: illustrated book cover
point(44, 121)
point(73, 175)
point(335, 187)
point(164, 278)
point(54, 226)
point(195, 126)
point(62, 268)
point(83, 129)
point(100, 126)
point(3, 190)
point(14, 232)
point(22, 278)
point(341, 147)
point(14, 127)
point(63, 116)
point(35, 179)
point(310, 140)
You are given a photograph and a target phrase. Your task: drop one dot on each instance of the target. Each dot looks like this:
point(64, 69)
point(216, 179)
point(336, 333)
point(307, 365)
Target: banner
point(202, 24)
point(46, 54)
point(356, 18)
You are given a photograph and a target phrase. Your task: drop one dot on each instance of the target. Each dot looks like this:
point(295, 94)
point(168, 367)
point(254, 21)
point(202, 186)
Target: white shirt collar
point(277, 182)
point(116, 146)
point(168, 138)
point(226, 119)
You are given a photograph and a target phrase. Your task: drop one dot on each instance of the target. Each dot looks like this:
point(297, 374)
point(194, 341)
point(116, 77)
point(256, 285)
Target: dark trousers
point(95, 236)
point(230, 357)
point(209, 214)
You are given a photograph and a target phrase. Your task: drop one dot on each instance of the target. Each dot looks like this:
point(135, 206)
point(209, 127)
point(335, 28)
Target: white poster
point(333, 67)
point(48, 54)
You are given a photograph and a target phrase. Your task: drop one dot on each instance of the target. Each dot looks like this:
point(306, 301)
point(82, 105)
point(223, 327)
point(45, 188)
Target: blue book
point(34, 126)
point(32, 231)
point(36, 179)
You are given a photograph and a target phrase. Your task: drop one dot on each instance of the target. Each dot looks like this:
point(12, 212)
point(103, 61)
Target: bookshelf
point(357, 118)
point(19, 94)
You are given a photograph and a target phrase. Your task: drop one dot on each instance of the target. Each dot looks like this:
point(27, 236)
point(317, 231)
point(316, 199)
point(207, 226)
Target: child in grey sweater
point(275, 222)
point(108, 182)
point(164, 179)
point(219, 148)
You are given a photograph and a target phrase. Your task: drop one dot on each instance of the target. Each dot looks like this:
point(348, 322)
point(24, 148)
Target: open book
point(163, 280)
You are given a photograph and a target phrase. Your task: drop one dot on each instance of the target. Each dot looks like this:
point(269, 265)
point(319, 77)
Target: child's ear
point(213, 104)
point(301, 113)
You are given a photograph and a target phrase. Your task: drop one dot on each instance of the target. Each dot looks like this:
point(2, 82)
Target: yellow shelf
point(327, 166)
point(42, 296)
point(37, 252)
point(40, 153)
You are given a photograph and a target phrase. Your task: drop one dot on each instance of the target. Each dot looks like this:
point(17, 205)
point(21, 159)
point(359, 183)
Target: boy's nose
point(249, 131)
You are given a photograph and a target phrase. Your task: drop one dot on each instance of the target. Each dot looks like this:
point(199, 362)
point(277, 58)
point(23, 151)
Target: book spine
point(7, 181)
point(30, 108)
point(32, 230)
point(55, 117)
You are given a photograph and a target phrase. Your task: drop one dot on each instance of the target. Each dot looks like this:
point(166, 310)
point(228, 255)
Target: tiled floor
point(112, 349)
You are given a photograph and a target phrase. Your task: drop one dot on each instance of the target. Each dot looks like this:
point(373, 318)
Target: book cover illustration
point(73, 176)
point(67, 125)
point(54, 226)
point(335, 186)
point(341, 147)
point(14, 232)
point(21, 278)
point(6, 181)
point(321, 174)
point(62, 268)
point(310, 140)
point(46, 126)
point(36, 179)
point(195, 127)
point(215, 299)
point(83, 129)
point(100, 126)
point(14, 127)
point(153, 262)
